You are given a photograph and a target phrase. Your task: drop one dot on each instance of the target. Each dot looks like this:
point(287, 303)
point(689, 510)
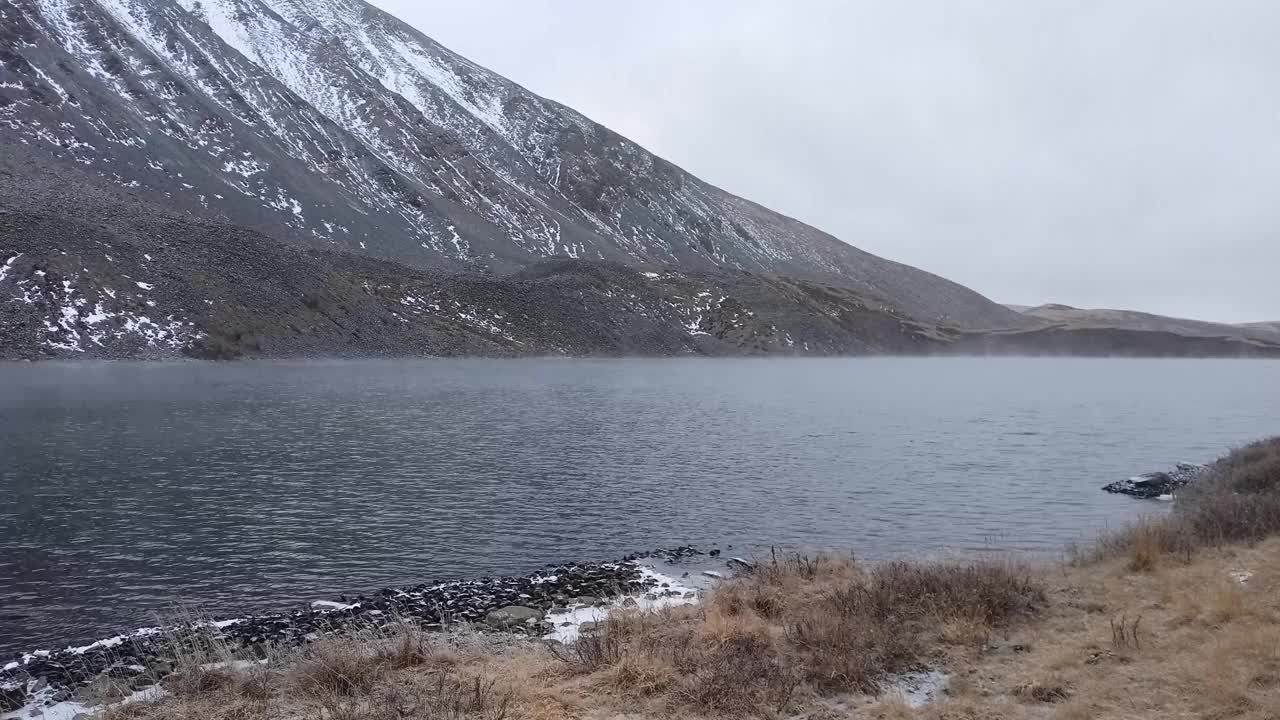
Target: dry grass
point(764, 646)
point(801, 627)
point(402, 674)
point(1173, 618)
point(1206, 646)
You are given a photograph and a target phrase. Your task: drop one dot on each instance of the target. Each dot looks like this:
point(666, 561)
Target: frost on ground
point(917, 689)
point(42, 707)
point(668, 592)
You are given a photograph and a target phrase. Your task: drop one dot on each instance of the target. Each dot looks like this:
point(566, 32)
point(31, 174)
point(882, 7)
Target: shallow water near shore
point(262, 485)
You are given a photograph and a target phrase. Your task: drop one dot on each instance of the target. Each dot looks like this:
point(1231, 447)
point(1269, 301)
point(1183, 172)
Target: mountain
point(225, 178)
point(1265, 327)
point(333, 128)
point(1064, 330)
point(1065, 315)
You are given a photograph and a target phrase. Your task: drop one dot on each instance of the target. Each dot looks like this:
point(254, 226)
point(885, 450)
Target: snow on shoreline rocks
point(552, 603)
point(1158, 485)
point(579, 616)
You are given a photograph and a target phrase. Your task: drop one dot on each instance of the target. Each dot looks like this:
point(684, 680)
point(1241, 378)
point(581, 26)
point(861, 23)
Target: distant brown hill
point(1081, 318)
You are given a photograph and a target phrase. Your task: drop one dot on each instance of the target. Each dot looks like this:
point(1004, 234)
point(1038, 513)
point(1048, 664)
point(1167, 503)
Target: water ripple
point(259, 485)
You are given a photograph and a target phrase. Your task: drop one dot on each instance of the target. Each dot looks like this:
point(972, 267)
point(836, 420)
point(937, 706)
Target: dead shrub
point(1251, 470)
point(198, 680)
point(602, 648)
point(763, 598)
point(717, 663)
point(1215, 518)
point(641, 675)
point(454, 697)
point(963, 632)
point(739, 673)
point(1147, 543)
point(990, 592)
point(838, 652)
point(256, 685)
point(1124, 634)
point(860, 630)
point(410, 647)
point(335, 668)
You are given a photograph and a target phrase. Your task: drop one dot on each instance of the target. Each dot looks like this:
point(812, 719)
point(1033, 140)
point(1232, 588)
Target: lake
point(129, 487)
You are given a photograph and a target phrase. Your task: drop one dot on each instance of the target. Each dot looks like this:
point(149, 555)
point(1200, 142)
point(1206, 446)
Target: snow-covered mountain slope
point(331, 124)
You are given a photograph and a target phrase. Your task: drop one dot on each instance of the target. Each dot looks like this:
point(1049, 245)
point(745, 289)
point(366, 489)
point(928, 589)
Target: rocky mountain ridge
point(227, 178)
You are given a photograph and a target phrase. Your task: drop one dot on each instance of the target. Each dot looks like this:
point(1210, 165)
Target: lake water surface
point(128, 487)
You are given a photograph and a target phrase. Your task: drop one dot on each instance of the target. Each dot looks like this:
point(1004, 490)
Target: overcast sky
point(1098, 154)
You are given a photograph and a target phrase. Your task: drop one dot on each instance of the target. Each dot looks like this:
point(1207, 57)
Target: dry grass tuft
point(801, 625)
point(1147, 542)
point(335, 668)
point(640, 676)
point(1227, 602)
point(412, 647)
point(1051, 690)
point(1124, 633)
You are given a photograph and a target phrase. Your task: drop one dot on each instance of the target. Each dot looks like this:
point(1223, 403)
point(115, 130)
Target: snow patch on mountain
point(77, 315)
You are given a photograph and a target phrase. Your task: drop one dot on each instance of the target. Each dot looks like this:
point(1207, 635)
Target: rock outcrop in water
point(1158, 484)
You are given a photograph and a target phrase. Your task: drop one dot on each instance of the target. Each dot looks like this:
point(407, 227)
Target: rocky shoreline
point(1159, 485)
point(525, 604)
point(537, 605)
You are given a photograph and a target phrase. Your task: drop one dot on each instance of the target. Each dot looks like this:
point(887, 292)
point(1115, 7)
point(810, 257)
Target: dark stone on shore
point(1158, 484)
point(12, 699)
point(513, 616)
point(671, 555)
point(431, 606)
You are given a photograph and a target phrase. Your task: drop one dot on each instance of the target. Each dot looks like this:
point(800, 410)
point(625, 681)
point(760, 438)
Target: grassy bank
point(1172, 618)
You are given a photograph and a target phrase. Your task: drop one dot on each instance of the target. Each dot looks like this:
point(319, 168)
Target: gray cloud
point(1100, 154)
